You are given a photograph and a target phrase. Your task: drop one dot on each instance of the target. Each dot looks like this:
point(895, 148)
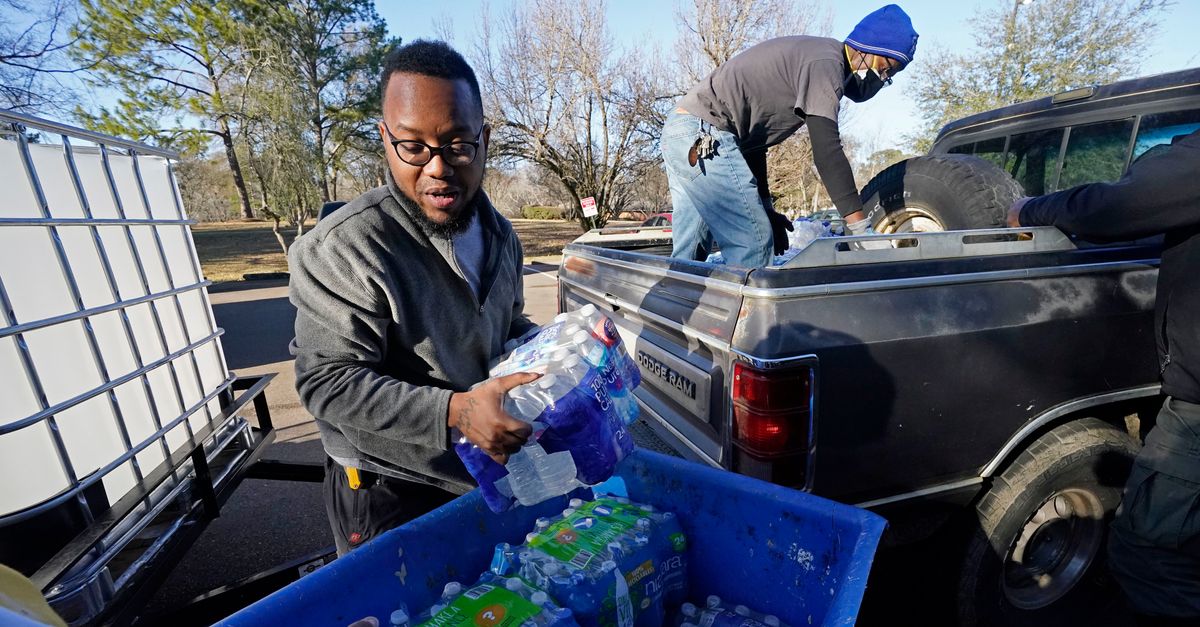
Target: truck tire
point(1037, 555)
point(939, 193)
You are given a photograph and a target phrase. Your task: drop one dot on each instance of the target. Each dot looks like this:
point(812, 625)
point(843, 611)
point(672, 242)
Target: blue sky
point(880, 123)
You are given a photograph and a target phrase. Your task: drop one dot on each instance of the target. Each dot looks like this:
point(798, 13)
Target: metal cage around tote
point(118, 420)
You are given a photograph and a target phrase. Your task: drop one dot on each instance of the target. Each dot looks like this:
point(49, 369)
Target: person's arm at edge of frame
point(339, 344)
point(1158, 194)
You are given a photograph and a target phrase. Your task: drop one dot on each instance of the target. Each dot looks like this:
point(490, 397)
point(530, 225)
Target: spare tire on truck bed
point(939, 193)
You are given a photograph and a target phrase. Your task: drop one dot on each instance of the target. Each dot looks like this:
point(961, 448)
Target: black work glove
point(779, 227)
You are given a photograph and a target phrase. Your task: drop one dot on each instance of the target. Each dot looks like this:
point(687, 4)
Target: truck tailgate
point(677, 319)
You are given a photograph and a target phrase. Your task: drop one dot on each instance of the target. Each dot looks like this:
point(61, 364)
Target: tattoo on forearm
point(465, 414)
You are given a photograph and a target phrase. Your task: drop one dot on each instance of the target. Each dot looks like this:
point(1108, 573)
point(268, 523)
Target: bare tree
point(561, 95)
point(207, 189)
point(1025, 51)
point(34, 55)
point(278, 144)
point(443, 28)
point(512, 189)
point(711, 32)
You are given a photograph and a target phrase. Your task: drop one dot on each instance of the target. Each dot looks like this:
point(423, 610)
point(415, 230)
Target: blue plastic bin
point(780, 551)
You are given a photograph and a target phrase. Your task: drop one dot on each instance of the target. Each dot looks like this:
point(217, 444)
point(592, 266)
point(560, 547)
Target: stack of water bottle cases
point(607, 562)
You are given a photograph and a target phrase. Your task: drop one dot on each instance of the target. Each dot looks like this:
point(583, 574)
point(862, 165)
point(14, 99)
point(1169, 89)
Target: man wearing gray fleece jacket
point(402, 297)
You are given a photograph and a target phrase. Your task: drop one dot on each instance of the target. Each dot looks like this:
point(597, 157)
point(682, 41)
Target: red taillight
point(772, 409)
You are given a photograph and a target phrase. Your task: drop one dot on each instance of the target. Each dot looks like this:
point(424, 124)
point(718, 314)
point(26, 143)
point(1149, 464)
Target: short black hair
point(429, 58)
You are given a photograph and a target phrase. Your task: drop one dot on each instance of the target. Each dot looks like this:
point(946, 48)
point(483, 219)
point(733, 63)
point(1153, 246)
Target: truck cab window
point(988, 149)
point(1159, 129)
point(1033, 160)
point(991, 150)
point(1096, 153)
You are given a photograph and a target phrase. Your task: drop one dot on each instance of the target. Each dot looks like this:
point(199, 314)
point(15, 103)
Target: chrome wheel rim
point(910, 220)
point(1053, 549)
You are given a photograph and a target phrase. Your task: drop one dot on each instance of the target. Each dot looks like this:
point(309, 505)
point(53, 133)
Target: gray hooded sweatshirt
point(387, 327)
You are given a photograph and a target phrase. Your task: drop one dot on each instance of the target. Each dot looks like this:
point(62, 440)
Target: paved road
point(267, 523)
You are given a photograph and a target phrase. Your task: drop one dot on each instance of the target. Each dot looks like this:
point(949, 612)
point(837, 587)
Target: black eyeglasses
point(888, 72)
point(455, 154)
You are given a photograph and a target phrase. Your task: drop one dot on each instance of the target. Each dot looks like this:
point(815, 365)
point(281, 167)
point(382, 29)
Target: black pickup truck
point(995, 373)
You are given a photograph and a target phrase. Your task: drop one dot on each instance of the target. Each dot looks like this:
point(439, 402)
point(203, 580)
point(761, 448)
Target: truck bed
point(930, 362)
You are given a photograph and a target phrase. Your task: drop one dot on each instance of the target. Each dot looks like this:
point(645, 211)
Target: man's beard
point(454, 225)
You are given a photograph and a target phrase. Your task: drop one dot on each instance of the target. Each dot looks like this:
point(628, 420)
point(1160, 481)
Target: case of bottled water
point(579, 411)
point(614, 563)
point(494, 601)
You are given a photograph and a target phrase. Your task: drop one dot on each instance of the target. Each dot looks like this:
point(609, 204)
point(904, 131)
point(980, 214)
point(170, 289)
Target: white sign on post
point(589, 206)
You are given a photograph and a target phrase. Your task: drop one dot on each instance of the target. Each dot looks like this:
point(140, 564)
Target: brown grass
point(543, 238)
point(230, 250)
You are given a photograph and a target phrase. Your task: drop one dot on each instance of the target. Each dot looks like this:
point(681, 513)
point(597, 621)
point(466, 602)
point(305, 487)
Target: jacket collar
point(494, 235)
point(488, 218)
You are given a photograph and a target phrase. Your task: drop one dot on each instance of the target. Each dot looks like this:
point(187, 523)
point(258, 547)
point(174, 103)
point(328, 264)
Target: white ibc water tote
point(105, 333)
point(110, 360)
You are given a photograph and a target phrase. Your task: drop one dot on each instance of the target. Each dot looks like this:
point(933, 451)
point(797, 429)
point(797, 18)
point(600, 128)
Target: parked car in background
point(655, 230)
point(658, 219)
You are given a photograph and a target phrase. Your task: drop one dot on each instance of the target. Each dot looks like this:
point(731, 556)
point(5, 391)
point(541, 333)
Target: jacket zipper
point(478, 300)
point(502, 246)
point(1166, 339)
point(462, 276)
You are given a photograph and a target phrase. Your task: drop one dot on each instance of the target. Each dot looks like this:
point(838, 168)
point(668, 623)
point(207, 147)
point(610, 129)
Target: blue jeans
point(715, 200)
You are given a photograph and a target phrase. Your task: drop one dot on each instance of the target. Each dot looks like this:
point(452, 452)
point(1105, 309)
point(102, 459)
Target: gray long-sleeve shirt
point(764, 94)
point(387, 327)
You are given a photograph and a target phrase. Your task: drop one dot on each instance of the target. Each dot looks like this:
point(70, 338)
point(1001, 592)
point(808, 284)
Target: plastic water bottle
point(672, 547)
point(577, 573)
point(805, 232)
point(537, 354)
point(534, 355)
point(490, 476)
point(580, 419)
point(532, 474)
point(606, 361)
point(552, 615)
point(577, 440)
point(535, 475)
point(602, 328)
point(449, 592)
point(576, 367)
point(715, 614)
point(504, 560)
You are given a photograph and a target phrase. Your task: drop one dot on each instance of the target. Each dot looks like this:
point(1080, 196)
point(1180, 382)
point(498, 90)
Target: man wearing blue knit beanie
point(715, 143)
